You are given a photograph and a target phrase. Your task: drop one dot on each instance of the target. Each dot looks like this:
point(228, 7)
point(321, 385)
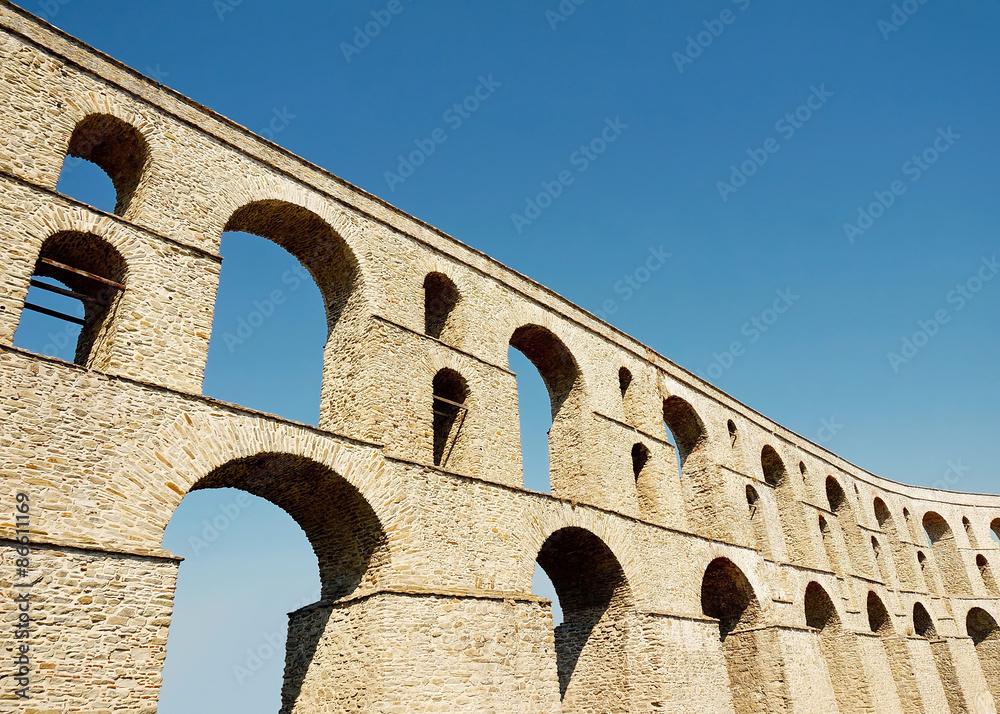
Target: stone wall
point(708, 559)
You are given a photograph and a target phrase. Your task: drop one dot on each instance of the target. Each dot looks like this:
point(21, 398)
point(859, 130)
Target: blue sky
point(866, 94)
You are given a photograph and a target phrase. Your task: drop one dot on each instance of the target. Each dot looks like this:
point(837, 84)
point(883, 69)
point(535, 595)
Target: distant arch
point(946, 554)
point(772, 466)
point(624, 380)
point(597, 602)
point(685, 425)
point(896, 652)
point(989, 582)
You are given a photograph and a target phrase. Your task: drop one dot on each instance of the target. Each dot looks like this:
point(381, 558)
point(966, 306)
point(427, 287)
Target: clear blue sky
point(881, 95)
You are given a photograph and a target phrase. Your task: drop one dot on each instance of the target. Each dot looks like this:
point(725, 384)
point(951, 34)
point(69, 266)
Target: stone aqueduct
point(764, 575)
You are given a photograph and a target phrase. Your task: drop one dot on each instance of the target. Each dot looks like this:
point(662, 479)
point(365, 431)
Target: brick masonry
point(766, 575)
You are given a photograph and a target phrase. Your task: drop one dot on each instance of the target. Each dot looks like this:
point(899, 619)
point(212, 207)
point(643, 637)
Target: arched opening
point(896, 652)
point(279, 309)
point(995, 530)
point(987, 575)
point(985, 635)
point(624, 380)
point(758, 524)
point(853, 538)
point(969, 532)
point(733, 433)
point(727, 596)
point(121, 153)
point(946, 554)
point(802, 470)
point(876, 551)
point(549, 463)
point(897, 553)
point(450, 392)
point(440, 298)
point(685, 427)
point(829, 546)
point(77, 285)
point(772, 466)
point(923, 626)
point(838, 649)
point(596, 601)
point(640, 457)
point(264, 536)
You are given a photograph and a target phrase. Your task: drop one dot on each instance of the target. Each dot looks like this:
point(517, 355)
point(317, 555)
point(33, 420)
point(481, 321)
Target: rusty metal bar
point(68, 293)
point(84, 273)
point(458, 430)
point(53, 313)
point(448, 401)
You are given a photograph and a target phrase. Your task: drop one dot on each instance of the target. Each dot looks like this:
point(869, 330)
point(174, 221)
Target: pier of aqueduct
point(763, 574)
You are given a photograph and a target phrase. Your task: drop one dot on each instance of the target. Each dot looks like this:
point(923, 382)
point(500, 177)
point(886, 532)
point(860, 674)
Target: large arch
point(592, 642)
point(896, 652)
point(752, 659)
point(838, 648)
point(563, 380)
point(923, 626)
point(982, 629)
point(947, 556)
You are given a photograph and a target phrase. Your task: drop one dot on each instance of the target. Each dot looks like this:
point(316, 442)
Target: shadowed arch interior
point(450, 389)
point(345, 533)
point(551, 358)
point(596, 600)
point(685, 425)
point(118, 148)
point(772, 466)
point(878, 617)
point(94, 255)
point(947, 556)
point(835, 496)
point(837, 647)
point(982, 629)
point(312, 241)
point(441, 296)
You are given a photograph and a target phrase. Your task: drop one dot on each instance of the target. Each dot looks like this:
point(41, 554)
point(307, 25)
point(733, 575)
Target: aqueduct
point(763, 574)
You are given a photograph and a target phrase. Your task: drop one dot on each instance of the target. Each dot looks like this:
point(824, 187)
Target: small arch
point(876, 548)
point(758, 526)
point(946, 554)
point(640, 457)
point(89, 275)
point(596, 600)
point(983, 631)
point(752, 498)
point(835, 495)
point(803, 471)
point(450, 391)
point(733, 433)
point(118, 148)
point(685, 426)
point(923, 625)
point(969, 532)
point(624, 380)
point(878, 617)
point(987, 574)
point(441, 296)
point(882, 514)
point(921, 559)
point(773, 466)
point(995, 530)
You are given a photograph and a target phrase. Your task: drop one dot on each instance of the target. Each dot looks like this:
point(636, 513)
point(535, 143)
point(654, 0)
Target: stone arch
point(995, 529)
point(838, 649)
point(313, 241)
point(624, 380)
point(450, 392)
point(728, 597)
point(592, 642)
point(758, 522)
point(896, 652)
point(100, 286)
point(841, 507)
point(923, 626)
point(441, 296)
point(686, 427)
point(982, 629)
point(896, 555)
point(772, 467)
point(789, 512)
point(947, 556)
point(564, 382)
point(986, 572)
point(119, 148)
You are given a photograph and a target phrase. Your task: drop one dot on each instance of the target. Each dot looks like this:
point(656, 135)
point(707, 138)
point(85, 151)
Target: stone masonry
point(764, 574)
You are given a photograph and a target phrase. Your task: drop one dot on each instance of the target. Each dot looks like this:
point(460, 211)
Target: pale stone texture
point(742, 581)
